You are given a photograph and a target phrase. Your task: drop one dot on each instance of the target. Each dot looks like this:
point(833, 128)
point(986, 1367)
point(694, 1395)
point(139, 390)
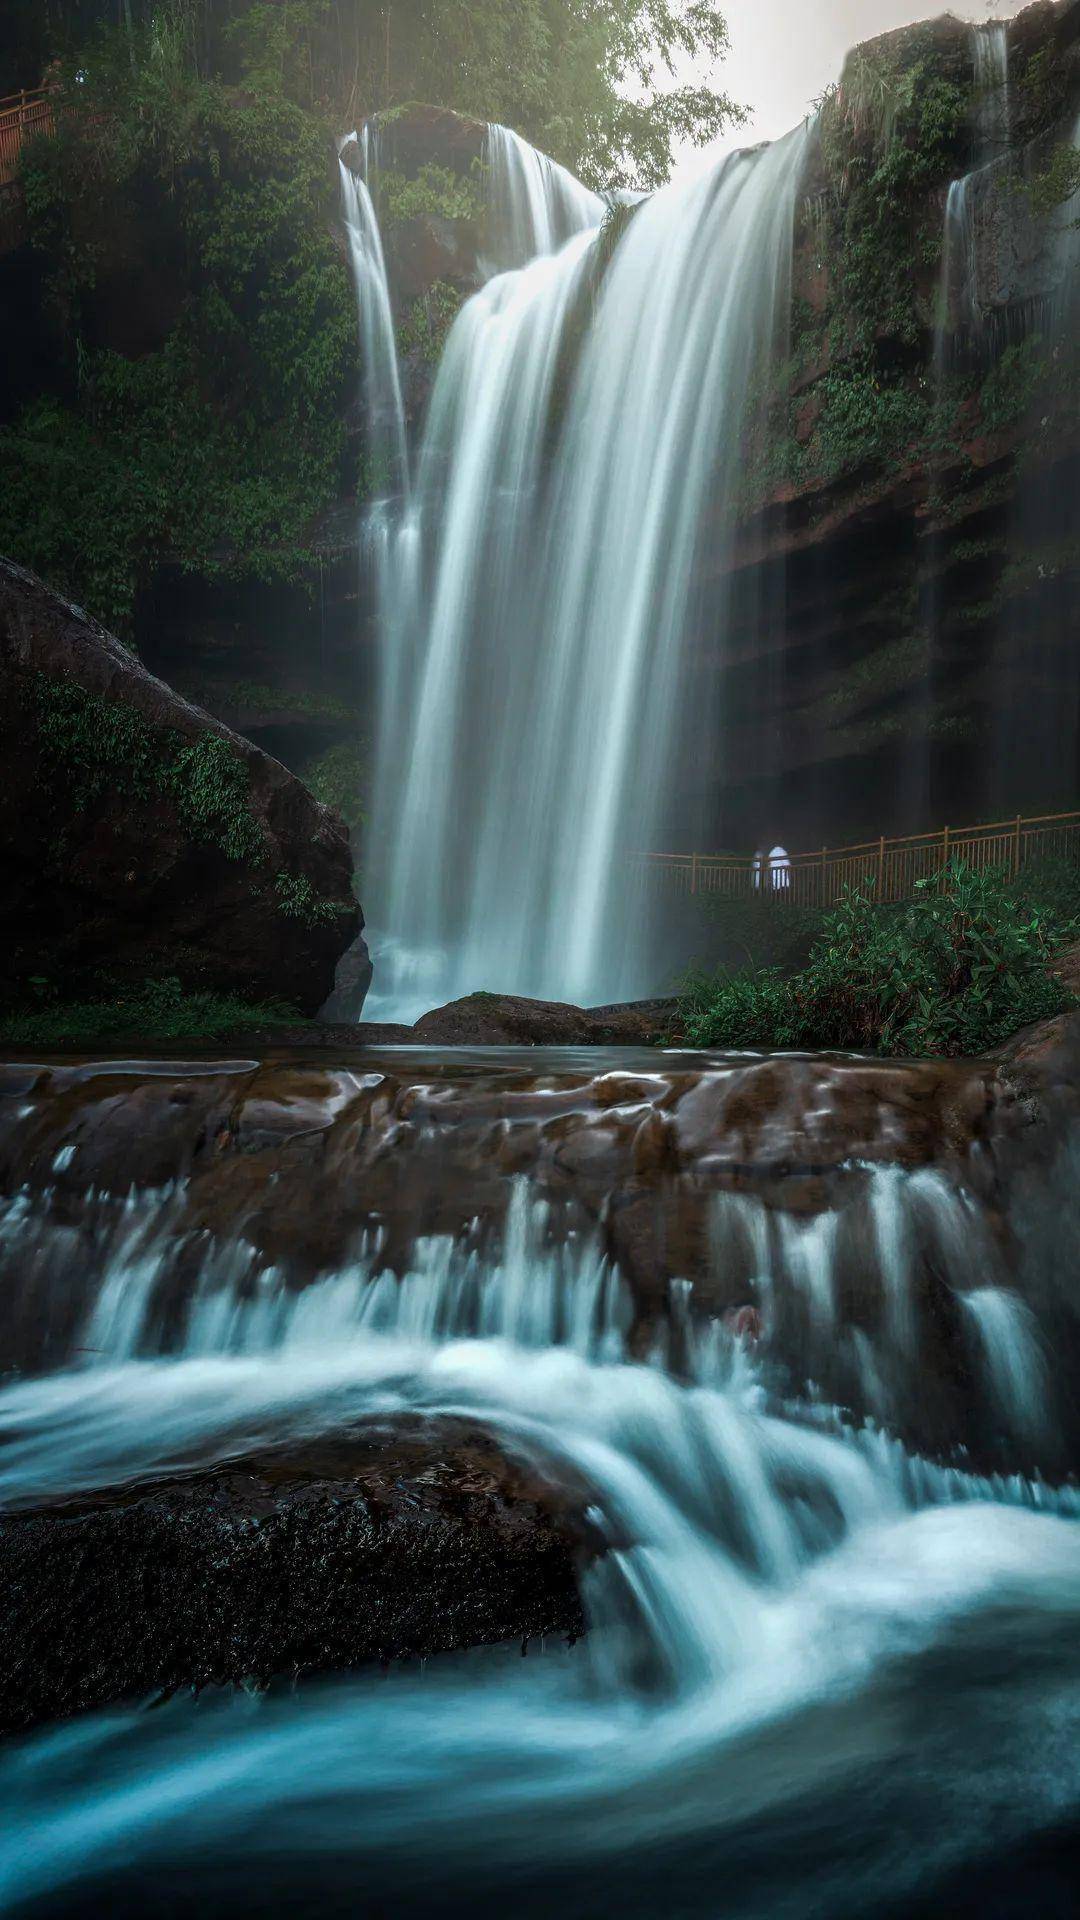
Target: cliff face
point(895, 645)
point(140, 839)
point(904, 592)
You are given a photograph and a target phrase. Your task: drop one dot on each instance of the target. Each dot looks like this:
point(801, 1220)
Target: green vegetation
point(298, 900)
point(216, 436)
point(256, 697)
point(102, 745)
point(1056, 182)
point(1012, 384)
point(158, 1010)
point(427, 324)
point(956, 971)
point(340, 778)
point(868, 419)
point(890, 132)
point(594, 82)
point(432, 193)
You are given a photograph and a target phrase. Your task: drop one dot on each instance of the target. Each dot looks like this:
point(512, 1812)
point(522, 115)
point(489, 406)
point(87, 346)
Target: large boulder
point(140, 839)
point(387, 1545)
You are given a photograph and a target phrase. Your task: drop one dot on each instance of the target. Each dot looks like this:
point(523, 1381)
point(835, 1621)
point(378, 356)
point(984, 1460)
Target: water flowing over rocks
point(140, 838)
point(841, 1215)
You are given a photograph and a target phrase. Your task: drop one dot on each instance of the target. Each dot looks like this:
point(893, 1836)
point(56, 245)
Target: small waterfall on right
point(959, 319)
point(959, 302)
point(1035, 740)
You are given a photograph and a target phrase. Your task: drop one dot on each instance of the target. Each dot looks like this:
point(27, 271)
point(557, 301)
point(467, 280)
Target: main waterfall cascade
point(583, 426)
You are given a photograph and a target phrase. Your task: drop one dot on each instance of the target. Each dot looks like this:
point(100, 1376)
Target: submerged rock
point(140, 839)
point(384, 1546)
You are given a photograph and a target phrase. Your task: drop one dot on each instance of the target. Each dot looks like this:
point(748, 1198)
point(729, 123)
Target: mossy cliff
point(913, 459)
point(142, 841)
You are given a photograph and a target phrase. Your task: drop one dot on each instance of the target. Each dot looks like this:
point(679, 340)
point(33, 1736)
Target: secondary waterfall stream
point(588, 413)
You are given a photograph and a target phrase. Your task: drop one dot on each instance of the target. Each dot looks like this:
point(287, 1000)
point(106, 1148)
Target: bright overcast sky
point(784, 53)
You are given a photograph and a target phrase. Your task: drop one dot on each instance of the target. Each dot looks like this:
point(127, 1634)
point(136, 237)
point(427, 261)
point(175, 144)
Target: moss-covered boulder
point(140, 839)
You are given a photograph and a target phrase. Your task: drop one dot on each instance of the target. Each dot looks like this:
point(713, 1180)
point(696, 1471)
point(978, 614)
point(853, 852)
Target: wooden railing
point(22, 117)
point(890, 867)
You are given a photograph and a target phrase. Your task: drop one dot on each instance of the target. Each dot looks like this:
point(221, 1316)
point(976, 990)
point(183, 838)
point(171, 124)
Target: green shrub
point(159, 1010)
point(99, 744)
point(223, 441)
point(298, 900)
point(341, 778)
point(957, 970)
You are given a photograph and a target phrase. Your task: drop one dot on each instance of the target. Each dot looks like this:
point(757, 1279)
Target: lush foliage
point(297, 900)
point(102, 745)
point(159, 1010)
point(216, 437)
point(426, 326)
point(959, 969)
point(598, 83)
point(341, 778)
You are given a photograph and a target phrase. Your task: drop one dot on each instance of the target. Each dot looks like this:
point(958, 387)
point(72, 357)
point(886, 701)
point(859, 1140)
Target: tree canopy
point(597, 83)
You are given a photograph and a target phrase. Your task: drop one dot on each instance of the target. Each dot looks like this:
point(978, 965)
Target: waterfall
point(580, 437)
point(1008, 1337)
point(382, 383)
point(533, 206)
point(773, 1589)
point(959, 300)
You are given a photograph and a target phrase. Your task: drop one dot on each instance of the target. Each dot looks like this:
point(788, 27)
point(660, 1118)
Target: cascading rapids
point(775, 1590)
point(582, 430)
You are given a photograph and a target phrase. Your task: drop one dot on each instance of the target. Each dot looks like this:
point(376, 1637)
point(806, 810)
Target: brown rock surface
point(103, 870)
point(666, 1165)
point(389, 1544)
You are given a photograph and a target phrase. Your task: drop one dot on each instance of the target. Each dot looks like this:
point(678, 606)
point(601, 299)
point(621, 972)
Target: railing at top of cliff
point(22, 117)
point(892, 867)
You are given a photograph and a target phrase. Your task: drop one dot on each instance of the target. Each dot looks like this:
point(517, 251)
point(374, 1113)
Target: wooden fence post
point(945, 851)
point(693, 873)
point(881, 869)
point(1016, 848)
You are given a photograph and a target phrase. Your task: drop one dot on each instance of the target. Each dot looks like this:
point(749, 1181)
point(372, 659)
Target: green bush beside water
point(958, 970)
point(159, 1010)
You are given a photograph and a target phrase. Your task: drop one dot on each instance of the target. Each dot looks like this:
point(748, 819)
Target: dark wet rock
point(124, 848)
point(352, 983)
point(651, 1159)
point(387, 1546)
point(501, 1020)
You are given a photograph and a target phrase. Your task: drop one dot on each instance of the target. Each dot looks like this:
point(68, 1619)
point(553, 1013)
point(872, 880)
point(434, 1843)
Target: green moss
point(340, 778)
point(1012, 384)
point(102, 745)
point(1055, 182)
point(298, 900)
point(867, 419)
point(159, 1010)
point(892, 132)
point(258, 698)
point(433, 193)
point(426, 327)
